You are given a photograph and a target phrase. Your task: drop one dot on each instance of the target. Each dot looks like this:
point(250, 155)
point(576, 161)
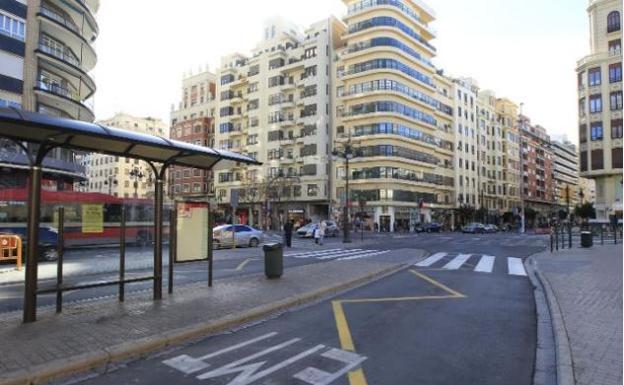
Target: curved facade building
point(392, 107)
point(600, 106)
point(46, 54)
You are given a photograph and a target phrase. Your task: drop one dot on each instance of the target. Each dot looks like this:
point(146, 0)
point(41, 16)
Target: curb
point(134, 349)
point(563, 354)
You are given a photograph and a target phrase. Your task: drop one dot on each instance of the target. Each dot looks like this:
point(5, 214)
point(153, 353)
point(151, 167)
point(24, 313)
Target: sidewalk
point(587, 289)
point(91, 335)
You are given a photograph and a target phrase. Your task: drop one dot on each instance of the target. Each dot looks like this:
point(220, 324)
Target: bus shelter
point(37, 134)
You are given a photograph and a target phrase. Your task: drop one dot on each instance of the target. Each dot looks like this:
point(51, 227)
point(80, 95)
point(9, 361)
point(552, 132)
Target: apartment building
point(467, 143)
point(275, 106)
point(600, 106)
point(193, 122)
point(566, 174)
point(119, 176)
point(46, 54)
point(493, 173)
point(537, 168)
point(388, 109)
point(507, 116)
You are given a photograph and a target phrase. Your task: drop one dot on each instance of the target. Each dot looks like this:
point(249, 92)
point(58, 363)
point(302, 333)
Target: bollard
point(551, 242)
point(562, 237)
point(569, 235)
point(601, 235)
point(556, 239)
point(59, 262)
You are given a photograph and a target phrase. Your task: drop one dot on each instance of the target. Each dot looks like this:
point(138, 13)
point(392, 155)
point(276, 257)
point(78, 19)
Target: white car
point(243, 235)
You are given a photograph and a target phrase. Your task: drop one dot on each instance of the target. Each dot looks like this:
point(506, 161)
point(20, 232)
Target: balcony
point(62, 28)
point(63, 99)
point(53, 60)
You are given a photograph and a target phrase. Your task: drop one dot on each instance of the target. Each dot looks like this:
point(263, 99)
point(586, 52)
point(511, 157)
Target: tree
point(482, 213)
point(585, 211)
point(530, 215)
point(563, 214)
point(508, 217)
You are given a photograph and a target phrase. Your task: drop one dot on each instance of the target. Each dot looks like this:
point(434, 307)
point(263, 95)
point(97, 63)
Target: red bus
point(101, 228)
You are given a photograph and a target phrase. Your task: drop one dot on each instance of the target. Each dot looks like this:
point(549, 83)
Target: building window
point(583, 133)
point(616, 101)
point(596, 131)
point(613, 22)
point(583, 160)
point(615, 73)
point(312, 190)
point(594, 76)
point(615, 47)
point(12, 27)
point(582, 107)
point(597, 160)
point(595, 103)
point(581, 80)
point(616, 128)
point(616, 157)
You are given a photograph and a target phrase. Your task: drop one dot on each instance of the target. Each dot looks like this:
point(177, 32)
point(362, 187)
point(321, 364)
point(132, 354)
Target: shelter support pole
point(210, 219)
point(158, 236)
point(32, 250)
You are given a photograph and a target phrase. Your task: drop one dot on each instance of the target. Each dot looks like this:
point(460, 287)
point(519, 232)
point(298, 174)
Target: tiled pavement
point(587, 284)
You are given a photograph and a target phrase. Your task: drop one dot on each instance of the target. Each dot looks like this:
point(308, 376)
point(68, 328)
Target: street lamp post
point(110, 182)
point(137, 174)
point(347, 154)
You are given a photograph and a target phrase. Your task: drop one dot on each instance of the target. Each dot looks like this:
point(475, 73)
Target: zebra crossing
point(296, 242)
point(477, 262)
point(338, 254)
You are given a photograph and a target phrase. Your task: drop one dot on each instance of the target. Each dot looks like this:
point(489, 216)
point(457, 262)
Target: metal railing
point(60, 18)
point(60, 55)
point(567, 236)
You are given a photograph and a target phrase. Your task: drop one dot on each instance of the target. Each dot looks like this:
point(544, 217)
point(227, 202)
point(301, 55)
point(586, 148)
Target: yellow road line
point(438, 284)
point(396, 299)
point(356, 377)
point(242, 264)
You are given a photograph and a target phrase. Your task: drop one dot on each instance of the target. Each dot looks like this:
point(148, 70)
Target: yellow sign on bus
point(92, 218)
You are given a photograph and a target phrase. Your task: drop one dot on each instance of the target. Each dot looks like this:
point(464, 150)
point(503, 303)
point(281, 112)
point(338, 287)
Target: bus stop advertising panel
point(191, 231)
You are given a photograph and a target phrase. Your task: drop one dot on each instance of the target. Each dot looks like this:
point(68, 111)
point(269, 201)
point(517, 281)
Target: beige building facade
point(46, 55)
point(388, 109)
point(600, 106)
point(275, 106)
point(119, 176)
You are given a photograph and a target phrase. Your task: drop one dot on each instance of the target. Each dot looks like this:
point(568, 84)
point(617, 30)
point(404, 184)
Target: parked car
point(474, 228)
point(491, 228)
point(226, 235)
point(433, 227)
point(48, 238)
point(307, 231)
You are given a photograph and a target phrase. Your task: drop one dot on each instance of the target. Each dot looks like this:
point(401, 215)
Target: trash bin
point(587, 239)
point(273, 260)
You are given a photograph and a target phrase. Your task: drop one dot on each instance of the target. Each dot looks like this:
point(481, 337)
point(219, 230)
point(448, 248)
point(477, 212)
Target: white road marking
point(457, 262)
point(485, 265)
point(316, 376)
point(431, 260)
point(365, 254)
point(310, 252)
point(516, 267)
point(188, 364)
point(340, 253)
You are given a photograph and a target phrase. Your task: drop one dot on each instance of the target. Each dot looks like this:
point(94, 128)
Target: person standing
point(321, 230)
point(288, 229)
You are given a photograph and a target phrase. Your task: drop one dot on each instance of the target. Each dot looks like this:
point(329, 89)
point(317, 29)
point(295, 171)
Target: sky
point(522, 49)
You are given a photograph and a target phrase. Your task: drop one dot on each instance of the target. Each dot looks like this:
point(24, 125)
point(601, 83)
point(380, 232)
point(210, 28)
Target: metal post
point(601, 234)
point(562, 237)
point(347, 234)
point(172, 247)
point(59, 262)
point(122, 253)
point(32, 249)
point(569, 235)
point(551, 242)
point(158, 233)
point(209, 246)
point(556, 238)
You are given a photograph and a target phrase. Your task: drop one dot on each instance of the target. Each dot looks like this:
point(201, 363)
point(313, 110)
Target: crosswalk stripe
point(486, 264)
point(356, 256)
point(340, 253)
point(310, 252)
point(457, 262)
point(516, 267)
point(431, 260)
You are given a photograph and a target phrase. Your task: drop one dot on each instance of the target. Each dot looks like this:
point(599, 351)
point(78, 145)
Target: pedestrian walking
point(288, 230)
point(317, 234)
point(321, 229)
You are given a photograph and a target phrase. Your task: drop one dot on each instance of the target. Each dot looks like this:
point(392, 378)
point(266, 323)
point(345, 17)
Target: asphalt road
point(465, 315)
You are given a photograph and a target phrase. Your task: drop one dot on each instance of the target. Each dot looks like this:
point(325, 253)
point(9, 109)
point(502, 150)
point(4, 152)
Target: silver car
point(242, 235)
